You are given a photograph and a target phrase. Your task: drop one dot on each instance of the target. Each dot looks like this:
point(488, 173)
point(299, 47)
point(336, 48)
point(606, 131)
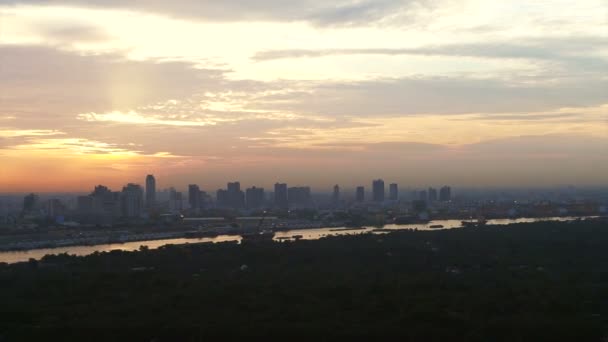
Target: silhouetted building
point(150, 191)
point(281, 196)
point(175, 201)
point(360, 194)
point(254, 197)
point(84, 204)
point(106, 202)
point(445, 194)
point(55, 209)
point(30, 202)
point(132, 200)
point(393, 192)
point(432, 194)
point(336, 195)
point(378, 190)
point(299, 197)
point(221, 198)
point(194, 197)
point(422, 195)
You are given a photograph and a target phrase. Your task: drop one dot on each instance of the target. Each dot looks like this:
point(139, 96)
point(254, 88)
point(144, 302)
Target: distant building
point(194, 197)
point(55, 209)
point(393, 192)
point(150, 191)
point(336, 195)
point(422, 195)
point(378, 190)
point(360, 194)
point(432, 192)
point(175, 201)
point(445, 194)
point(132, 201)
point(254, 198)
point(281, 196)
point(299, 197)
point(236, 197)
point(30, 202)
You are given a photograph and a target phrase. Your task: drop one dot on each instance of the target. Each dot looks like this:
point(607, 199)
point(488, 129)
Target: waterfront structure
point(378, 190)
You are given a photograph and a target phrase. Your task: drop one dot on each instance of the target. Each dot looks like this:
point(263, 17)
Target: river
point(306, 234)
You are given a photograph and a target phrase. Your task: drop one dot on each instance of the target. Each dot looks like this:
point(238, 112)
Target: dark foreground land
point(525, 282)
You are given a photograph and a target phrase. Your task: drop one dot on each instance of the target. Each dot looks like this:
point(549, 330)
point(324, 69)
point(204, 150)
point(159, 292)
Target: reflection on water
point(17, 256)
point(306, 234)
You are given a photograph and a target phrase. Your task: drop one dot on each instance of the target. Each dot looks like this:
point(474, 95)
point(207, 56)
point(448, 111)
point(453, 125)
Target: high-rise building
point(336, 195)
point(360, 195)
point(236, 197)
point(393, 192)
point(194, 197)
point(299, 197)
point(378, 190)
point(175, 201)
point(432, 194)
point(150, 191)
point(132, 200)
point(445, 194)
point(281, 196)
point(422, 195)
point(254, 197)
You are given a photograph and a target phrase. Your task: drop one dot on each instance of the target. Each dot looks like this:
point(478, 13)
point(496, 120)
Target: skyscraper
point(336, 195)
point(194, 197)
point(280, 196)
point(445, 194)
point(254, 197)
point(432, 194)
point(150, 191)
point(393, 192)
point(132, 200)
point(234, 196)
point(360, 194)
point(378, 190)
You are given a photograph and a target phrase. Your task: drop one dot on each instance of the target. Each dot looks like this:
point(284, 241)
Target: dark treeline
point(525, 282)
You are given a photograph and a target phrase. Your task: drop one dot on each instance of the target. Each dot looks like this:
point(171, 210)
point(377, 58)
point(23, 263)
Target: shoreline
point(109, 240)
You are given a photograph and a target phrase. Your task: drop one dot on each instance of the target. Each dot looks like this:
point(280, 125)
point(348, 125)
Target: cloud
point(339, 12)
point(573, 51)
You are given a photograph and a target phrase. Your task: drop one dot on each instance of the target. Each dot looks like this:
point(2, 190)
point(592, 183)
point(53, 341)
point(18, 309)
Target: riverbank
point(155, 240)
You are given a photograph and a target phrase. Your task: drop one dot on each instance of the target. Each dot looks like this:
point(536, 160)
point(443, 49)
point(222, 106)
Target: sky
point(311, 92)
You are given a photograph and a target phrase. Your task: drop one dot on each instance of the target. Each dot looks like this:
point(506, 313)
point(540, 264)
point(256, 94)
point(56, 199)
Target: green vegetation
point(525, 282)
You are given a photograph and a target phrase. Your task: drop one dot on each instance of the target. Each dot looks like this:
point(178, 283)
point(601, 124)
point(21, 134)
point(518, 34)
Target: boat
point(436, 226)
point(474, 224)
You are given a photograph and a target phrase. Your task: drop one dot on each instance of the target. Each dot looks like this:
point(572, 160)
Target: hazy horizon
point(465, 93)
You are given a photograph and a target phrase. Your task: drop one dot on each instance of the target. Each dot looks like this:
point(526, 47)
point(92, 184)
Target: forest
point(545, 281)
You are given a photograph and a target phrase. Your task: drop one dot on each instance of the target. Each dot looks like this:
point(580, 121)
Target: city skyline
point(469, 93)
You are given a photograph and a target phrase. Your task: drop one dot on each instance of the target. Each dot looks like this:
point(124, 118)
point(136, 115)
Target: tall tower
point(336, 196)
point(393, 192)
point(360, 194)
point(378, 190)
point(280, 195)
point(150, 191)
